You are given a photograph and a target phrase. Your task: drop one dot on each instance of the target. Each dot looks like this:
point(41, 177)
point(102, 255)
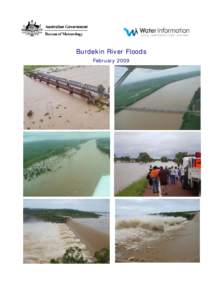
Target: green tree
point(144, 157)
point(164, 159)
point(102, 256)
point(179, 157)
point(72, 255)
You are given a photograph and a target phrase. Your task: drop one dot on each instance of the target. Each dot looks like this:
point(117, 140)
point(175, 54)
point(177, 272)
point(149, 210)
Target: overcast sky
point(80, 204)
point(156, 144)
point(40, 136)
point(140, 207)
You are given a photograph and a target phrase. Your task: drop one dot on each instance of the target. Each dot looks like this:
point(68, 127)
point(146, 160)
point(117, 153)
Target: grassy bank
point(137, 188)
point(56, 215)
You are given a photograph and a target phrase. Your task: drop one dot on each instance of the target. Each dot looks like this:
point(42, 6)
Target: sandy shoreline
point(93, 239)
point(182, 245)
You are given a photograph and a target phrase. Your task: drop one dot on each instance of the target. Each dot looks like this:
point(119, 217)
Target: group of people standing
point(164, 176)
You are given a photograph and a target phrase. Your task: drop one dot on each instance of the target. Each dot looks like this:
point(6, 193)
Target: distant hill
point(56, 215)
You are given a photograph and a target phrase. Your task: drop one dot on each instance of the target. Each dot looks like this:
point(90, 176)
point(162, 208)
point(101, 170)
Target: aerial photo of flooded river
point(158, 98)
point(66, 164)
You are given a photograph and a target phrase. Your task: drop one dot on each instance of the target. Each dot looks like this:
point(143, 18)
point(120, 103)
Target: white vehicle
point(192, 172)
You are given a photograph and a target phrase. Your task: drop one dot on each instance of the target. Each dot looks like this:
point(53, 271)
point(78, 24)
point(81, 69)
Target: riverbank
point(180, 243)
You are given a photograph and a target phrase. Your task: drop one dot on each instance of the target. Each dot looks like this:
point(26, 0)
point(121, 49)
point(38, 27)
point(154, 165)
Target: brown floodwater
point(158, 239)
point(77, 175)
point(44, 241)
point(174, 96)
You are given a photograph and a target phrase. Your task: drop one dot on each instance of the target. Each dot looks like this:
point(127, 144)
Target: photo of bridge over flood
point(66, 97)
point(157, 97)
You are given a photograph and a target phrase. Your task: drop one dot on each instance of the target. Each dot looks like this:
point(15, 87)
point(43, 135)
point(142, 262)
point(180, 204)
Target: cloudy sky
point(101, 205)
point(140, 207)
point(40, 136)
point(156, 144)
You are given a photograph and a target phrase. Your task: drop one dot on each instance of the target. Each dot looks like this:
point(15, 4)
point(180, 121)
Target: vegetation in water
point(56, 215)
point(142, 157)
point(74, 255)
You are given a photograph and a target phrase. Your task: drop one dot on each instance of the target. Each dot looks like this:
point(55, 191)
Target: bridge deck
point(90, 92)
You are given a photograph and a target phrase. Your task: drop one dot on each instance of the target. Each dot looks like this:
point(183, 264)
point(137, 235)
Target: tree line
point(145, 158)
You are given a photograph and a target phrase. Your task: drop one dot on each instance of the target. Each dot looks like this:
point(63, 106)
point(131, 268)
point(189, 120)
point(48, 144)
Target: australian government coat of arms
point(32, 28)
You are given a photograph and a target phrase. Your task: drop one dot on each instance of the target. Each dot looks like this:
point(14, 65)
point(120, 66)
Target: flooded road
point(175, 96)
point(126, 173)
point(77, 175)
